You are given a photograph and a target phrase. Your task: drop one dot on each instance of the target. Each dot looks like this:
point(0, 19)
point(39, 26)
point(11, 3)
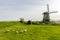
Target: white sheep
point(7, 31)
point(25, 30)
point(17, 32)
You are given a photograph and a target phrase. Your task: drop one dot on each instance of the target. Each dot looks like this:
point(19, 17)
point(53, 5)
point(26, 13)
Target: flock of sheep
point(21, 31)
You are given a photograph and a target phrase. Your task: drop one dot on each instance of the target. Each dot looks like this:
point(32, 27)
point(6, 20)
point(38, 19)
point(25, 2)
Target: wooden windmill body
point(46, 17)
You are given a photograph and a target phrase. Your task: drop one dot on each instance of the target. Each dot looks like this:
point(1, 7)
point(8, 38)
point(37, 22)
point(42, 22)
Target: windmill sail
point(47, 7)
point(53, 12)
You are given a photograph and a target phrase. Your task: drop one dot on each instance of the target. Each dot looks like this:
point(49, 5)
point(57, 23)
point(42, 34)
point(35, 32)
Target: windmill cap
point(45, 13)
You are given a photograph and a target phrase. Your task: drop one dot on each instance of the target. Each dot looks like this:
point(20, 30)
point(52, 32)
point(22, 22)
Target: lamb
point(25, 30)
point(17, 32)
point(7, 31)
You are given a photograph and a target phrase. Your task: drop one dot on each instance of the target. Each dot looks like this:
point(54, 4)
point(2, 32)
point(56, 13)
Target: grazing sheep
point(7, 31)
point(25, 30)
point(17, 32)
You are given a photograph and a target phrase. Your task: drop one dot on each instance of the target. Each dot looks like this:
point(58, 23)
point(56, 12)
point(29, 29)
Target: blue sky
point(27, 9)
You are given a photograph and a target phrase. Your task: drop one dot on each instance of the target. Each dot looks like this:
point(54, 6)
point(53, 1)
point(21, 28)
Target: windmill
point(46, 17)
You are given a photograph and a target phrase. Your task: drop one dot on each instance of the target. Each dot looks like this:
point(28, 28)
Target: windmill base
point(46, 21)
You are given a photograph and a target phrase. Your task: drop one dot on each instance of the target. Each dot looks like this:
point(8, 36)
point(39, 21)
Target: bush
point(36, 22)
point(29, 22)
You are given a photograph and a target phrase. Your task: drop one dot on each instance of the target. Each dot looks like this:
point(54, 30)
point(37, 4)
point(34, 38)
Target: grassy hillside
point(34, 32)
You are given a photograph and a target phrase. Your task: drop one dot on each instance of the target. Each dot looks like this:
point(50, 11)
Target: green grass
point(34, 32)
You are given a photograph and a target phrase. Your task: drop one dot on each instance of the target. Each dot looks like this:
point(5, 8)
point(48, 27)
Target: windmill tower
point(46, 17)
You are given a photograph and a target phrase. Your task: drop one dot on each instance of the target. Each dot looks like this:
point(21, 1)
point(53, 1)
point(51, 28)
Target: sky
point(28, 9)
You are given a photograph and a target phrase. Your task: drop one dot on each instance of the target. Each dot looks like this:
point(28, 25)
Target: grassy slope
point(34, 32)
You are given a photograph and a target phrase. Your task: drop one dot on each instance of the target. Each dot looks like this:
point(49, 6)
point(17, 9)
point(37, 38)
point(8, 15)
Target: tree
point(21, 20)
point(29, 22)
